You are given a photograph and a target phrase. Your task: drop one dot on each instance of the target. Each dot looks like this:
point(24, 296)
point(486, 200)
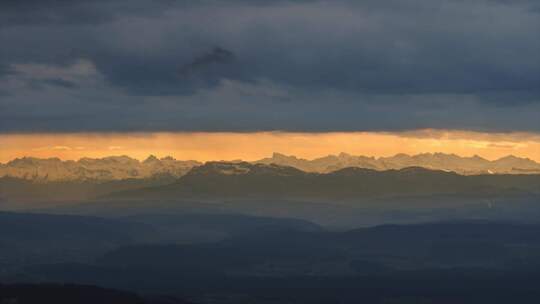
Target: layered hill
point(224, 180)
point(94, 169)
point(332, 177)
point(436, 161)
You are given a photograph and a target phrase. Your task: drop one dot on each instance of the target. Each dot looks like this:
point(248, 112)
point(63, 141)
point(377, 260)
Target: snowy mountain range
point(436, 161)
point(123, 167)
point(95, 169)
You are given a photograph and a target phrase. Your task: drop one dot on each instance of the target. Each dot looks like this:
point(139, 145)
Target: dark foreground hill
point(73, 294)
point(30, 238)
point(362, 251)
point(43, 238)
point(455, 262)
point(16, 192)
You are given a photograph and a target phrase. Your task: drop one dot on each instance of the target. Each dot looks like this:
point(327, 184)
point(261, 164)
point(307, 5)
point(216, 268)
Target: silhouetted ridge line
point(474, 165)
point(222, 180)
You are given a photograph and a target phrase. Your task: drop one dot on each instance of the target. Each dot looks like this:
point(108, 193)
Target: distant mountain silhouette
point(332, 177)
point(437, 161)
point(223, 180)
point(123, 167)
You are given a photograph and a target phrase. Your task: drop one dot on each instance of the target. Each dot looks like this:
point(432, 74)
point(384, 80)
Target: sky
point(251, 66)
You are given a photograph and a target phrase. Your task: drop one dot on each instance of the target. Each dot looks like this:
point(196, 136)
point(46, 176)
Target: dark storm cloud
point(5, 70)
point(69, 12)
point(216, 56)
point(251, 65)
point(61, 83)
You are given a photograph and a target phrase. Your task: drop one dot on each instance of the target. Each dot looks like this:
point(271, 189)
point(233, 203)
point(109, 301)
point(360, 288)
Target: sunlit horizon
point(208, 146)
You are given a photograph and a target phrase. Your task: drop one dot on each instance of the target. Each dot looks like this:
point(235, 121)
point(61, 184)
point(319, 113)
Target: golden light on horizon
point(204, 146)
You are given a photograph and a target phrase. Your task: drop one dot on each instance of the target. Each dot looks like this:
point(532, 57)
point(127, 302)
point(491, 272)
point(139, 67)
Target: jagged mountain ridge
point(436, 161)
point(95, 169)
point(224, 180)
point(123, 167)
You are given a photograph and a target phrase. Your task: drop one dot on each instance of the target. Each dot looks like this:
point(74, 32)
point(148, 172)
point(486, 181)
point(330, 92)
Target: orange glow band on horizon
point(205, 146)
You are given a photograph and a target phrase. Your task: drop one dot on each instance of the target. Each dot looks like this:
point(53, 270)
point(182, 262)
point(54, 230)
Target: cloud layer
point(260, 65)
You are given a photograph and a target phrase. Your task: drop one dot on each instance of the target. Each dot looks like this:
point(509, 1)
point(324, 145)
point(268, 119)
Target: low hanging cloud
point(246, 65)
point(71, 76)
